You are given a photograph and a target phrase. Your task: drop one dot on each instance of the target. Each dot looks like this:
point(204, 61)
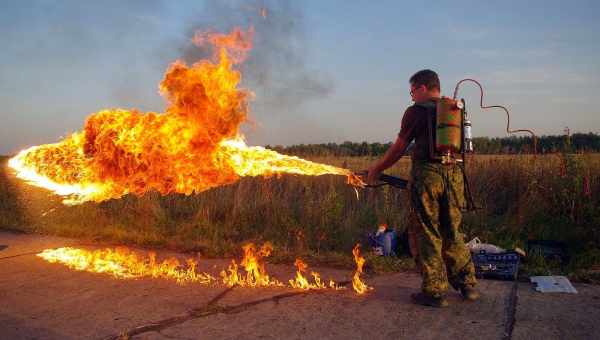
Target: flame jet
point(192, 147)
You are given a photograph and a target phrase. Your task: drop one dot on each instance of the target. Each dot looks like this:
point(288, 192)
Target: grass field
point(553, 197)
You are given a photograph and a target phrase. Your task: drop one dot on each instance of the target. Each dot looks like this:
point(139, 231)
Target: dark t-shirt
point(414, 127)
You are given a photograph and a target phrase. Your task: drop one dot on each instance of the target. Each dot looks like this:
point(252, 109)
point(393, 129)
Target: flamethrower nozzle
point(396, 182)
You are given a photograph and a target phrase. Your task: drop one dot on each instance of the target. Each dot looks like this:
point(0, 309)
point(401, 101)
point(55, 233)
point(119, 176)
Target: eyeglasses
point(412, 91)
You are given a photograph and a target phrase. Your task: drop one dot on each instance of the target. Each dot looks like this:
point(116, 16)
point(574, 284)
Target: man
point(437, 195)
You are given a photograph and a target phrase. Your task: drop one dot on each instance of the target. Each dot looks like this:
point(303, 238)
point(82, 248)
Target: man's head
point(424, 85)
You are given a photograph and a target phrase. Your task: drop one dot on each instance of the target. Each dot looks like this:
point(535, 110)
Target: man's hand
point(373, 175)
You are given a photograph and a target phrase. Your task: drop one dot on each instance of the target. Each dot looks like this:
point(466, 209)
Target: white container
point(476, 246)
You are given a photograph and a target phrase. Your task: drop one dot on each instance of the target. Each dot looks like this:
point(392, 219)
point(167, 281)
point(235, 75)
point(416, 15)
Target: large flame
point(194, 146)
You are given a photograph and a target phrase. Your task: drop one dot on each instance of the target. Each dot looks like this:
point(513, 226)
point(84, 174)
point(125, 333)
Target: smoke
point(78, 40)
point(67, 58)
point(276, 69)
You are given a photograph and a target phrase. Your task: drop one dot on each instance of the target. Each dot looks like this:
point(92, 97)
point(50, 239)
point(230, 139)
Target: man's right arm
point(393, 154)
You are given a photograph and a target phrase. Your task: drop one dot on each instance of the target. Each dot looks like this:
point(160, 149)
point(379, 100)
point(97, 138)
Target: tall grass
point(520, 197)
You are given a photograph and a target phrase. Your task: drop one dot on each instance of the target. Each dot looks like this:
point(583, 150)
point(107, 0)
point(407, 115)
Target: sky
point(322, 71)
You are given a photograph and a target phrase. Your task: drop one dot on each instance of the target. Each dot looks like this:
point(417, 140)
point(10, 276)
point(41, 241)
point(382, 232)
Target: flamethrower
point(393, 181)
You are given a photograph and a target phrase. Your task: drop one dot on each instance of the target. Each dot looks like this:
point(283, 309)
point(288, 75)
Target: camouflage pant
point(437, 195)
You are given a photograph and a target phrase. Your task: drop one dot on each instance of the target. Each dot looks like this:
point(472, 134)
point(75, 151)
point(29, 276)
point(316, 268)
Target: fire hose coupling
point(396, 182)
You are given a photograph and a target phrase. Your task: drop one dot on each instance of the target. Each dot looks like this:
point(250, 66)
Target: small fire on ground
point(124, 263)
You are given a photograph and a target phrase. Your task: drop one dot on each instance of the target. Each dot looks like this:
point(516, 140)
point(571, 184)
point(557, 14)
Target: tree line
point(577, 142)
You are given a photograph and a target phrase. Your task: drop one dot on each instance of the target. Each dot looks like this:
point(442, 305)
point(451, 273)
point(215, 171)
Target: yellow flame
point(300, 281)
point(359, 286)
point(254, 265)
point(124, 263)
point(258, 161)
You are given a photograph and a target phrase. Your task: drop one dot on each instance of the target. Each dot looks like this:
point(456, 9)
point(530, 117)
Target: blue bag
point(384, 243)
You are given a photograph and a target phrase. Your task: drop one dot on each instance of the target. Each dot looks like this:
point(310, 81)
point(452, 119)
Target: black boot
point(469, 293)
point(428, 300)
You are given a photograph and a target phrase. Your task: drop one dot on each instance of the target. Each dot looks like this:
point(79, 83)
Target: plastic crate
point(504, 266)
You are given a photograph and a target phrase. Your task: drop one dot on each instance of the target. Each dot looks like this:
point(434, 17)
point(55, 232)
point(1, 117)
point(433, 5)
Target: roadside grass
point(10, 213)
point(552, 197)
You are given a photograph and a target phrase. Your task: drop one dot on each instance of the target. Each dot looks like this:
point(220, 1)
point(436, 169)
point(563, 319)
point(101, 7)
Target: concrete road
point(40, 300)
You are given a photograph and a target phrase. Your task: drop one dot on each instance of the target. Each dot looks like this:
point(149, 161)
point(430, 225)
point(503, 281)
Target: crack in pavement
point(511, 311)
point(208, 309)
point(19, 255)
point(172, 321)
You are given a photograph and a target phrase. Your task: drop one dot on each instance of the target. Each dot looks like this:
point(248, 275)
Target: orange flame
point(236, 45)
point(254, 265)
point(194, 146)
point(301, 282)
point(359, 286)
point(124, 263)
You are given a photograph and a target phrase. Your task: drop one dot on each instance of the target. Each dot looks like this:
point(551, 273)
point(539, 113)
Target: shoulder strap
point(431, 107)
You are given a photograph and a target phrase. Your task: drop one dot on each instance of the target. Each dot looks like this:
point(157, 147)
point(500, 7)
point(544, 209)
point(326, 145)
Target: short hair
point(426, 77)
